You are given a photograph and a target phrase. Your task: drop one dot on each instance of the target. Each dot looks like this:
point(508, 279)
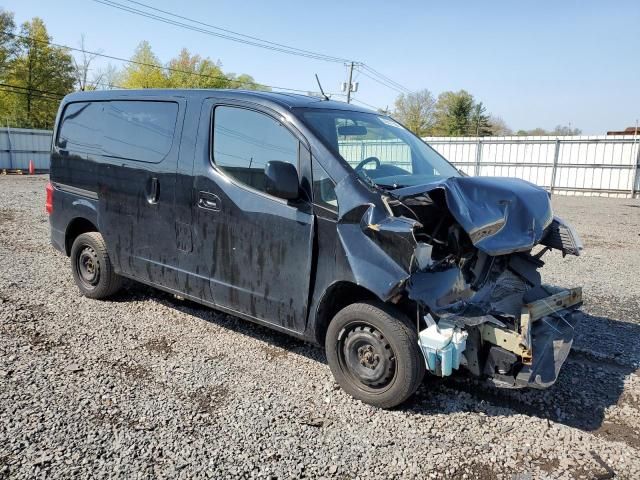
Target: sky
point(534, 64)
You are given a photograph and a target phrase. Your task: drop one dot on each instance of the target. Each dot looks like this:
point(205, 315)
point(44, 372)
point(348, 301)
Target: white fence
point(576, 165)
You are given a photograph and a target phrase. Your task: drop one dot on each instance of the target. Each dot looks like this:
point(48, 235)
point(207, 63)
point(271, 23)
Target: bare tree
point(498, 126)
point(416, 111)
point(82, 68)
point(107, 78)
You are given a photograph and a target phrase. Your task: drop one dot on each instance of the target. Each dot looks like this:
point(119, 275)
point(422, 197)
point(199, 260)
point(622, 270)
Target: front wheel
point(373, 353)
point(92, 268)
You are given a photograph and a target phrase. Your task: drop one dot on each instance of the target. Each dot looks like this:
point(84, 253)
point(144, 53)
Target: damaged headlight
point(561, 236)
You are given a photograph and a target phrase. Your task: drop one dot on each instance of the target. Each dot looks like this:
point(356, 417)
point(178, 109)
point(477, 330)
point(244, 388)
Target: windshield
point(378, 148)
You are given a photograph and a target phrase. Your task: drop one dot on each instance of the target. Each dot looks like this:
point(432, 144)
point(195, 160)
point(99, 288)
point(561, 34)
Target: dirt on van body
point(148, 385)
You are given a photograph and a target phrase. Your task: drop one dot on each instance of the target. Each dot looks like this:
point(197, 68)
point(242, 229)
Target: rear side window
point(244, 141)
point(131, 130)
point(139, 130)
point(80, 130)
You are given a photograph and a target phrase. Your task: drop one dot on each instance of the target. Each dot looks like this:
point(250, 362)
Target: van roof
point(287, 100)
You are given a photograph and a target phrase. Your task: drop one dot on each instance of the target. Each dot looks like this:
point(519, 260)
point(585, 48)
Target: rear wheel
point(373, 352)
point(92, 268)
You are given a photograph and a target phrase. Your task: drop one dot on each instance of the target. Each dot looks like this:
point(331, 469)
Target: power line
point(246, 39)
point(108, 85)
point(31, 89)
point(194, 28)
point(366, 104)
point(231, 32)
point(383, 80)
point(34, 95)
point(45, 94)
point(217, 77)
point(383, 83)
point(389, 80)
point(38, 96)
point(170, 69)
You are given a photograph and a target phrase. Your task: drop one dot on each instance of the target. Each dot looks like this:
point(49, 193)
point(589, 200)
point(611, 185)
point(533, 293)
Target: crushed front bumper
point(552, 338)
point(533, 355)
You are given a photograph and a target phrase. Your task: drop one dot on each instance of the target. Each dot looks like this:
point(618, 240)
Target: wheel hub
point(368, 356)
point(89, 267)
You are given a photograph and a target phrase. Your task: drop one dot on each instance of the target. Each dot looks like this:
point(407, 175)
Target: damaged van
point(320, 219)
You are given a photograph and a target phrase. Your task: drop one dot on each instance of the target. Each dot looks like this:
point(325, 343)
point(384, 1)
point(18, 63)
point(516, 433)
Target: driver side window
point(244, 141)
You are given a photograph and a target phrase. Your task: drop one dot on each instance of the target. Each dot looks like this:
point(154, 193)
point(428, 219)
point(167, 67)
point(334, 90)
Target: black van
point(320, 219)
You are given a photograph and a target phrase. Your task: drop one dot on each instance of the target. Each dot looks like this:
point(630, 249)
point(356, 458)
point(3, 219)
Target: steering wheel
point(375, 160)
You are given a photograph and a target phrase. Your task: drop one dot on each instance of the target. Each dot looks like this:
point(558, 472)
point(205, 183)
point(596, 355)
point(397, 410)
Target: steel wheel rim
point(88, 267)
point(367, 357)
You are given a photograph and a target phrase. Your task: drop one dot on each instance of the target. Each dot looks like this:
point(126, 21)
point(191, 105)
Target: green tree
point(480, 125)
point(146, 72)
point(416, 111)
point(7, 41)
point(41, 73)
point(193, 71)
point(244, 81)
point(184, 71)
point(453, 113)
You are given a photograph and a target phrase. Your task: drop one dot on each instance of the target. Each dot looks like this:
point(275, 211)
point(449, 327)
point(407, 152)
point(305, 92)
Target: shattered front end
point(463, 254)
point(531, 354)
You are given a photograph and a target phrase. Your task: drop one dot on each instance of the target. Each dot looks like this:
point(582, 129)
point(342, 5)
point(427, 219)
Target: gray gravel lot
point(149, 386)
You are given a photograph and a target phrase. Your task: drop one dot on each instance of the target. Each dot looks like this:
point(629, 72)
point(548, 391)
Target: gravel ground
point(149, 386)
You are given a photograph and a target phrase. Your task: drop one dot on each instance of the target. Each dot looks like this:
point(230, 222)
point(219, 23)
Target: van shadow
point(134, 291)
point(592, 379)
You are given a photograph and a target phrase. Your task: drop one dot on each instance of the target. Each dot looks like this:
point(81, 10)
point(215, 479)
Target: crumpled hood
point(500, 215)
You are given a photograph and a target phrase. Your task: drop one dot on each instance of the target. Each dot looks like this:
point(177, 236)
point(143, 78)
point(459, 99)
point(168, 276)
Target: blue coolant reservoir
point(442, 345)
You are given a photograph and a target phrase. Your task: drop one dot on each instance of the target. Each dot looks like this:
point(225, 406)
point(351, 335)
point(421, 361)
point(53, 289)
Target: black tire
point(92, 268)
point(373, 353)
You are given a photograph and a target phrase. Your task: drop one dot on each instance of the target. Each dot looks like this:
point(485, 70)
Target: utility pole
point(349, 86)
point(349, 82)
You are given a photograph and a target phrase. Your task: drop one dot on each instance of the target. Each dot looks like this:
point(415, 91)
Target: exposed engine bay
point(463, 254)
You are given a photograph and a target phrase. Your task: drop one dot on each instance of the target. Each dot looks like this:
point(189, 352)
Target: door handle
point(153, 190)
point(208, 201)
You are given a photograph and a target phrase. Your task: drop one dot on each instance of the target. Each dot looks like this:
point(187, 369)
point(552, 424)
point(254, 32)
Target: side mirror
point(281, 180)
